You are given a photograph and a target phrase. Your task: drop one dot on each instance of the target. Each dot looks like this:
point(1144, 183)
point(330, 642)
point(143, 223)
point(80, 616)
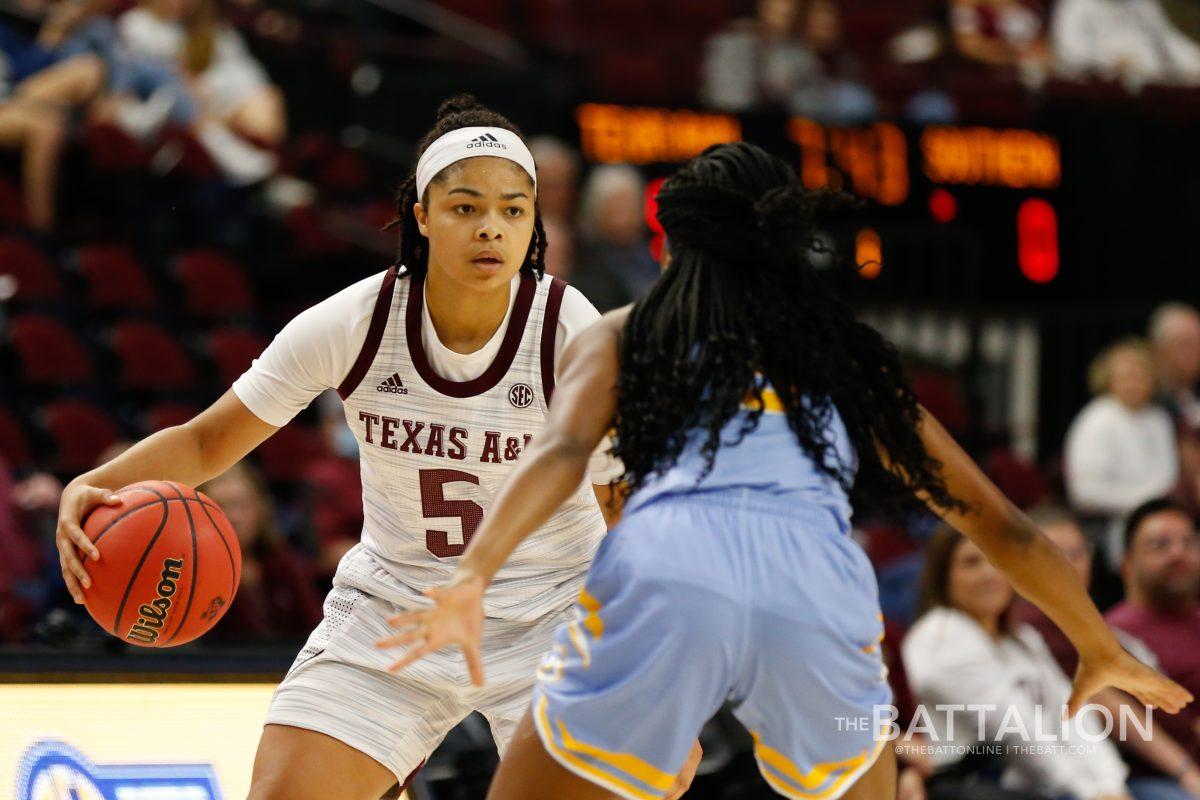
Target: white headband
point(469, 143)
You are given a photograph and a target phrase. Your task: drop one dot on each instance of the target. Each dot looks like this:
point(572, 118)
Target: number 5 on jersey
point(435, 504)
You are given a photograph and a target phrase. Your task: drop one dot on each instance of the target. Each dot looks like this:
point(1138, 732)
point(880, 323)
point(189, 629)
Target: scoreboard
point(950, 213)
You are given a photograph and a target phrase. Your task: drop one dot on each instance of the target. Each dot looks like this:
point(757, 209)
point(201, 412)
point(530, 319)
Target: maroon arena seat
point(80, 432)
point(12, 204)
point(14, 444)
point(213, 285)
point(36, 278)
point(48, 352)
point(151, 358)
point(167, 415)
point(116, 279)
point(111, 149)
point(287, 454)
point(232, 350)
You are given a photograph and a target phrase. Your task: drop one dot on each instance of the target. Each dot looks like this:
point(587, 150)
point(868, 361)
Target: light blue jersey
point(769, 460)
point(742, 588)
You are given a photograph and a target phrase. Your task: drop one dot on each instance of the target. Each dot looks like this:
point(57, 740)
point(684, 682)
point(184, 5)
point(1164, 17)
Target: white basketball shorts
point(339, 684)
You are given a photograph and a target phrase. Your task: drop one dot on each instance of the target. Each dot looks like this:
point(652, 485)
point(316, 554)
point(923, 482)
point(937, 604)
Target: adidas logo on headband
point(461, 143)
point(486, 140)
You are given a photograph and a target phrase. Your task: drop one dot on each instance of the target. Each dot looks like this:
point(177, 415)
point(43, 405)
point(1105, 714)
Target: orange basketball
point(169, 564)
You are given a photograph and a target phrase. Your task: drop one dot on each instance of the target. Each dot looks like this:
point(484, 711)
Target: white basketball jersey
point(434, 453)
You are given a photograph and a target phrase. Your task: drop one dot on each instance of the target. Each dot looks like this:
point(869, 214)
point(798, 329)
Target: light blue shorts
point(700, 599)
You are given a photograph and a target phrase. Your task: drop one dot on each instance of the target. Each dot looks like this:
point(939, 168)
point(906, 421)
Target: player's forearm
point(1039, 571)
point(546, 476)
point(173, 454)
point(1010, 540)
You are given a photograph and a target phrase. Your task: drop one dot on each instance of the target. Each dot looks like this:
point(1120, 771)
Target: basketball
point(169, 564)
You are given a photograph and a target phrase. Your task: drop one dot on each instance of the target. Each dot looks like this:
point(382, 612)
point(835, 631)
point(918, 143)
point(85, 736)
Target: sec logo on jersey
point(520, 395)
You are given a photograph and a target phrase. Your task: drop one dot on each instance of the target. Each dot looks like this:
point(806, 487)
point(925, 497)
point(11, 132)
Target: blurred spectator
point(1132, 41)
point(1167, 772)
point(1174, 332)
point(1162, 586)
point(1005, 33)
point(1120, 448)
point(20, 565)
point(789, 57)
point(965, 649)
point(923, 46)
point(43, 78)
point(170, 61)
point(331, 491)
point(615, 266)
point(558, 188)
point(276, 599)
point(838, 95)
point(226, 91)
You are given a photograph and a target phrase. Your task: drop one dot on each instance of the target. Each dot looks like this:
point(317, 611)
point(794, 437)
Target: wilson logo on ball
point(520, 395)
point(152, 615)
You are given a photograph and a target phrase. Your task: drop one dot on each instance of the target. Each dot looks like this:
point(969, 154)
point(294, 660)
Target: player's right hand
point(77, 500)
point(456, 618)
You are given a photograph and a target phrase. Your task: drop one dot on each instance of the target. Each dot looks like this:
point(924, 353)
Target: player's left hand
point(456, 618)
point(683, 781)
point(1124, 672)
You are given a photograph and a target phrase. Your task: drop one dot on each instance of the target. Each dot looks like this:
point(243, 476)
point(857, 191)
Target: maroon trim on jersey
point(379, 318)
point(499, 366)
point(550, 335)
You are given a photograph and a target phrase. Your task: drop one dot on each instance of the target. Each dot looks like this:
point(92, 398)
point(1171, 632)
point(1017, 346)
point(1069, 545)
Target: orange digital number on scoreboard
point(872, 160)
point(1016, 159)
point(618, 134)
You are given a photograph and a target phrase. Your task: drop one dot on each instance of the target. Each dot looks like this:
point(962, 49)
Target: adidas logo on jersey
point(392, 385)
point(486, 140)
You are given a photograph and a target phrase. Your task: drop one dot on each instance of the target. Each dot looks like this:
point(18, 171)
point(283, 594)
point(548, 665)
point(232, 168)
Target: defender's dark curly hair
point(741, 299)
point(460, 111)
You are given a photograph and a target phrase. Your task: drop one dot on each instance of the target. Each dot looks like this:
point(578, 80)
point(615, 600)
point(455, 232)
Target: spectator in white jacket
point(1132, 41)
point(1121, 448)
point(963, 651)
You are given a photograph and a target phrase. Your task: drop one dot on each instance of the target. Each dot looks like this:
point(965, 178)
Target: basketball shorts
point(339, 684)
point(696, 600)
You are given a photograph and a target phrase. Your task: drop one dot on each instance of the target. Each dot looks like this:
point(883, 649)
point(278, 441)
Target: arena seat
point(48, 352)
point(167, 415)
point(213, 285)
point(14, 444)
point(80, 432)
point(150, 358)
point(1021, 482)
point(286, 455)
point(116, 279)
point(36, 279)
point(492, 13)
point(12, 204)
point(232, 350)
point(111, 150)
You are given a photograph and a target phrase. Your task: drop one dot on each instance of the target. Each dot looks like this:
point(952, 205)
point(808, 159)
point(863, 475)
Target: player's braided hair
point(741, 298)
point(461, 111)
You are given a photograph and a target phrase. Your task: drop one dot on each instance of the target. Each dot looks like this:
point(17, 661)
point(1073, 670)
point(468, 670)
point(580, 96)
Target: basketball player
point(445, 365)
point(752, 413)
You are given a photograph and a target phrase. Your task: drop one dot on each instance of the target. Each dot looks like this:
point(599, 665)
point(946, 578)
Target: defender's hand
point(456, 618)
point(1125, 672)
